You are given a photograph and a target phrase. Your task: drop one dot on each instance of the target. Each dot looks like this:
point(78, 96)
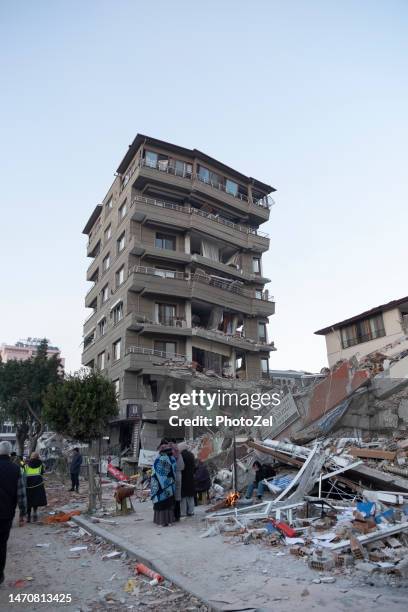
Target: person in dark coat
point(202, 482)
point(187, 481)
point(75, 468)
point(36, 496)
point(262, 472)
point(12, 492)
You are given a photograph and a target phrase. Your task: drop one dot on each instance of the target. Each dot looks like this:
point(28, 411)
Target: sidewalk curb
point(142, 556)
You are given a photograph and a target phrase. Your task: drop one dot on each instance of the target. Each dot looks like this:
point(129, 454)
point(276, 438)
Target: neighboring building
point(25, 349)
point(21, 351)
point(294, 381)
point(177, 278)
point(383, 328)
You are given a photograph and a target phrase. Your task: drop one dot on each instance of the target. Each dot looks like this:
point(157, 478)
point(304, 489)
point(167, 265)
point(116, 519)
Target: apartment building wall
point(393, 331)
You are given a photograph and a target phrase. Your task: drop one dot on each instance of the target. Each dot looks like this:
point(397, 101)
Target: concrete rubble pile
point(335, 504)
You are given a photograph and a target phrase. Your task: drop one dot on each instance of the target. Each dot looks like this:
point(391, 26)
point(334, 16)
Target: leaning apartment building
point(178, 297)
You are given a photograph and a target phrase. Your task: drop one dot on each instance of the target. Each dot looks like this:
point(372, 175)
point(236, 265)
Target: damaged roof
point(193, 153)
point(363, 315)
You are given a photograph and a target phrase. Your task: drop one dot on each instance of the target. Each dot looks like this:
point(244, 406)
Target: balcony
point(150, 361)
point(234, 340)
point(91, 295)
point(190, 182)
point(212, 289)
point(143, 323)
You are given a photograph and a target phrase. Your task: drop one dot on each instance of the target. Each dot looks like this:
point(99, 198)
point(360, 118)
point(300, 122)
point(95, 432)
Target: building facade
point(25, 349)
point(21, 351)
point(178, 293)
point(383, 328)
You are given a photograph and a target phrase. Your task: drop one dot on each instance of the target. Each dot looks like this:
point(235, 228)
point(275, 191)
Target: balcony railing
point(347, 342)
point(190, 210)
point(232, 286)
point(167, 321)
point(169, 168)
point(140, 350)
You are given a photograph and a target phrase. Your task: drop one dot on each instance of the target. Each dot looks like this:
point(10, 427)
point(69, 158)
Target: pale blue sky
point(309, 96)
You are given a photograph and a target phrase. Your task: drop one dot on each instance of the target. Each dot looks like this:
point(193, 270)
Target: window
point(101, 361)
point(109, 203)
point(182, 168)
point(105, 294)
point(117, 386)
point(231, 187)
point(166, 313)
point(116, 350)
point(362, 331)
point(165, 347)
point(89, 340)
point(262, 332)
point(151, 159)
point(106, 263)
point(258, 294)
point(264, 366)
point(165, 241)
point(120, 276)
point(102, 325)
point(108, 233)
point(165, 273)
point(203, 174)
point(123, 211)
point(117, 313)
point(120, 243)
point(256, 265)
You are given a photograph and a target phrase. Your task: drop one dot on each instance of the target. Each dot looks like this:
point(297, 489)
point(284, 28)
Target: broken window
point(210, 250)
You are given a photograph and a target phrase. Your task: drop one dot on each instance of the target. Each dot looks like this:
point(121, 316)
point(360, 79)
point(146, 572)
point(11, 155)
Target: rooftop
point(192, 153)
point(363, 315)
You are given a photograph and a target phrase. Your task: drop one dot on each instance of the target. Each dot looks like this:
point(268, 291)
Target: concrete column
point(187, 246)
point(189, 349)
point(249, 192)
point(187, 316)
point(233, 359)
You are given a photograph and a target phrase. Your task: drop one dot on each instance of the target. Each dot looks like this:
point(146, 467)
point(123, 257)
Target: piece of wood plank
point(372, 453)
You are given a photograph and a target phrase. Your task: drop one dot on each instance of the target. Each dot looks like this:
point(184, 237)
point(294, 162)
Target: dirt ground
point(40, 562)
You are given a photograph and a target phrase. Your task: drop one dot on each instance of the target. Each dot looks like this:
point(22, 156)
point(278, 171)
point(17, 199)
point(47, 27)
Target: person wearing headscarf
point(187, 481)
point(163, 485)
point(36, 496)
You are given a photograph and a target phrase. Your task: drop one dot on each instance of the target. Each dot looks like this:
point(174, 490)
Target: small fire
point(232, 499)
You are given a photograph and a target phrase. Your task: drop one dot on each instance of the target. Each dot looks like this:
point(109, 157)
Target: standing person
point(12, 492)
point(163, 486)
point(187, 481)
point(75, 468)
point(33, 471)
point(179, 470)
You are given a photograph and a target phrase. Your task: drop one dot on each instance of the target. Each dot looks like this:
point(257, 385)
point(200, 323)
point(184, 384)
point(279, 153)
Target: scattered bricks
point(356, 548)
point(339, 560)
point(364, 526)
point(274, 540)
point(295, 550)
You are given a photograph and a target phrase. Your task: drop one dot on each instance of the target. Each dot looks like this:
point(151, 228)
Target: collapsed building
point(178, 298)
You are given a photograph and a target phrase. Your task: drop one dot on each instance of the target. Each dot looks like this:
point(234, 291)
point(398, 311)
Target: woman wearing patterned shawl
point(162, 486)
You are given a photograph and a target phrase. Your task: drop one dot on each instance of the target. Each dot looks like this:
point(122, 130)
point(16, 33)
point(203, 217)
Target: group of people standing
point(174, 484)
